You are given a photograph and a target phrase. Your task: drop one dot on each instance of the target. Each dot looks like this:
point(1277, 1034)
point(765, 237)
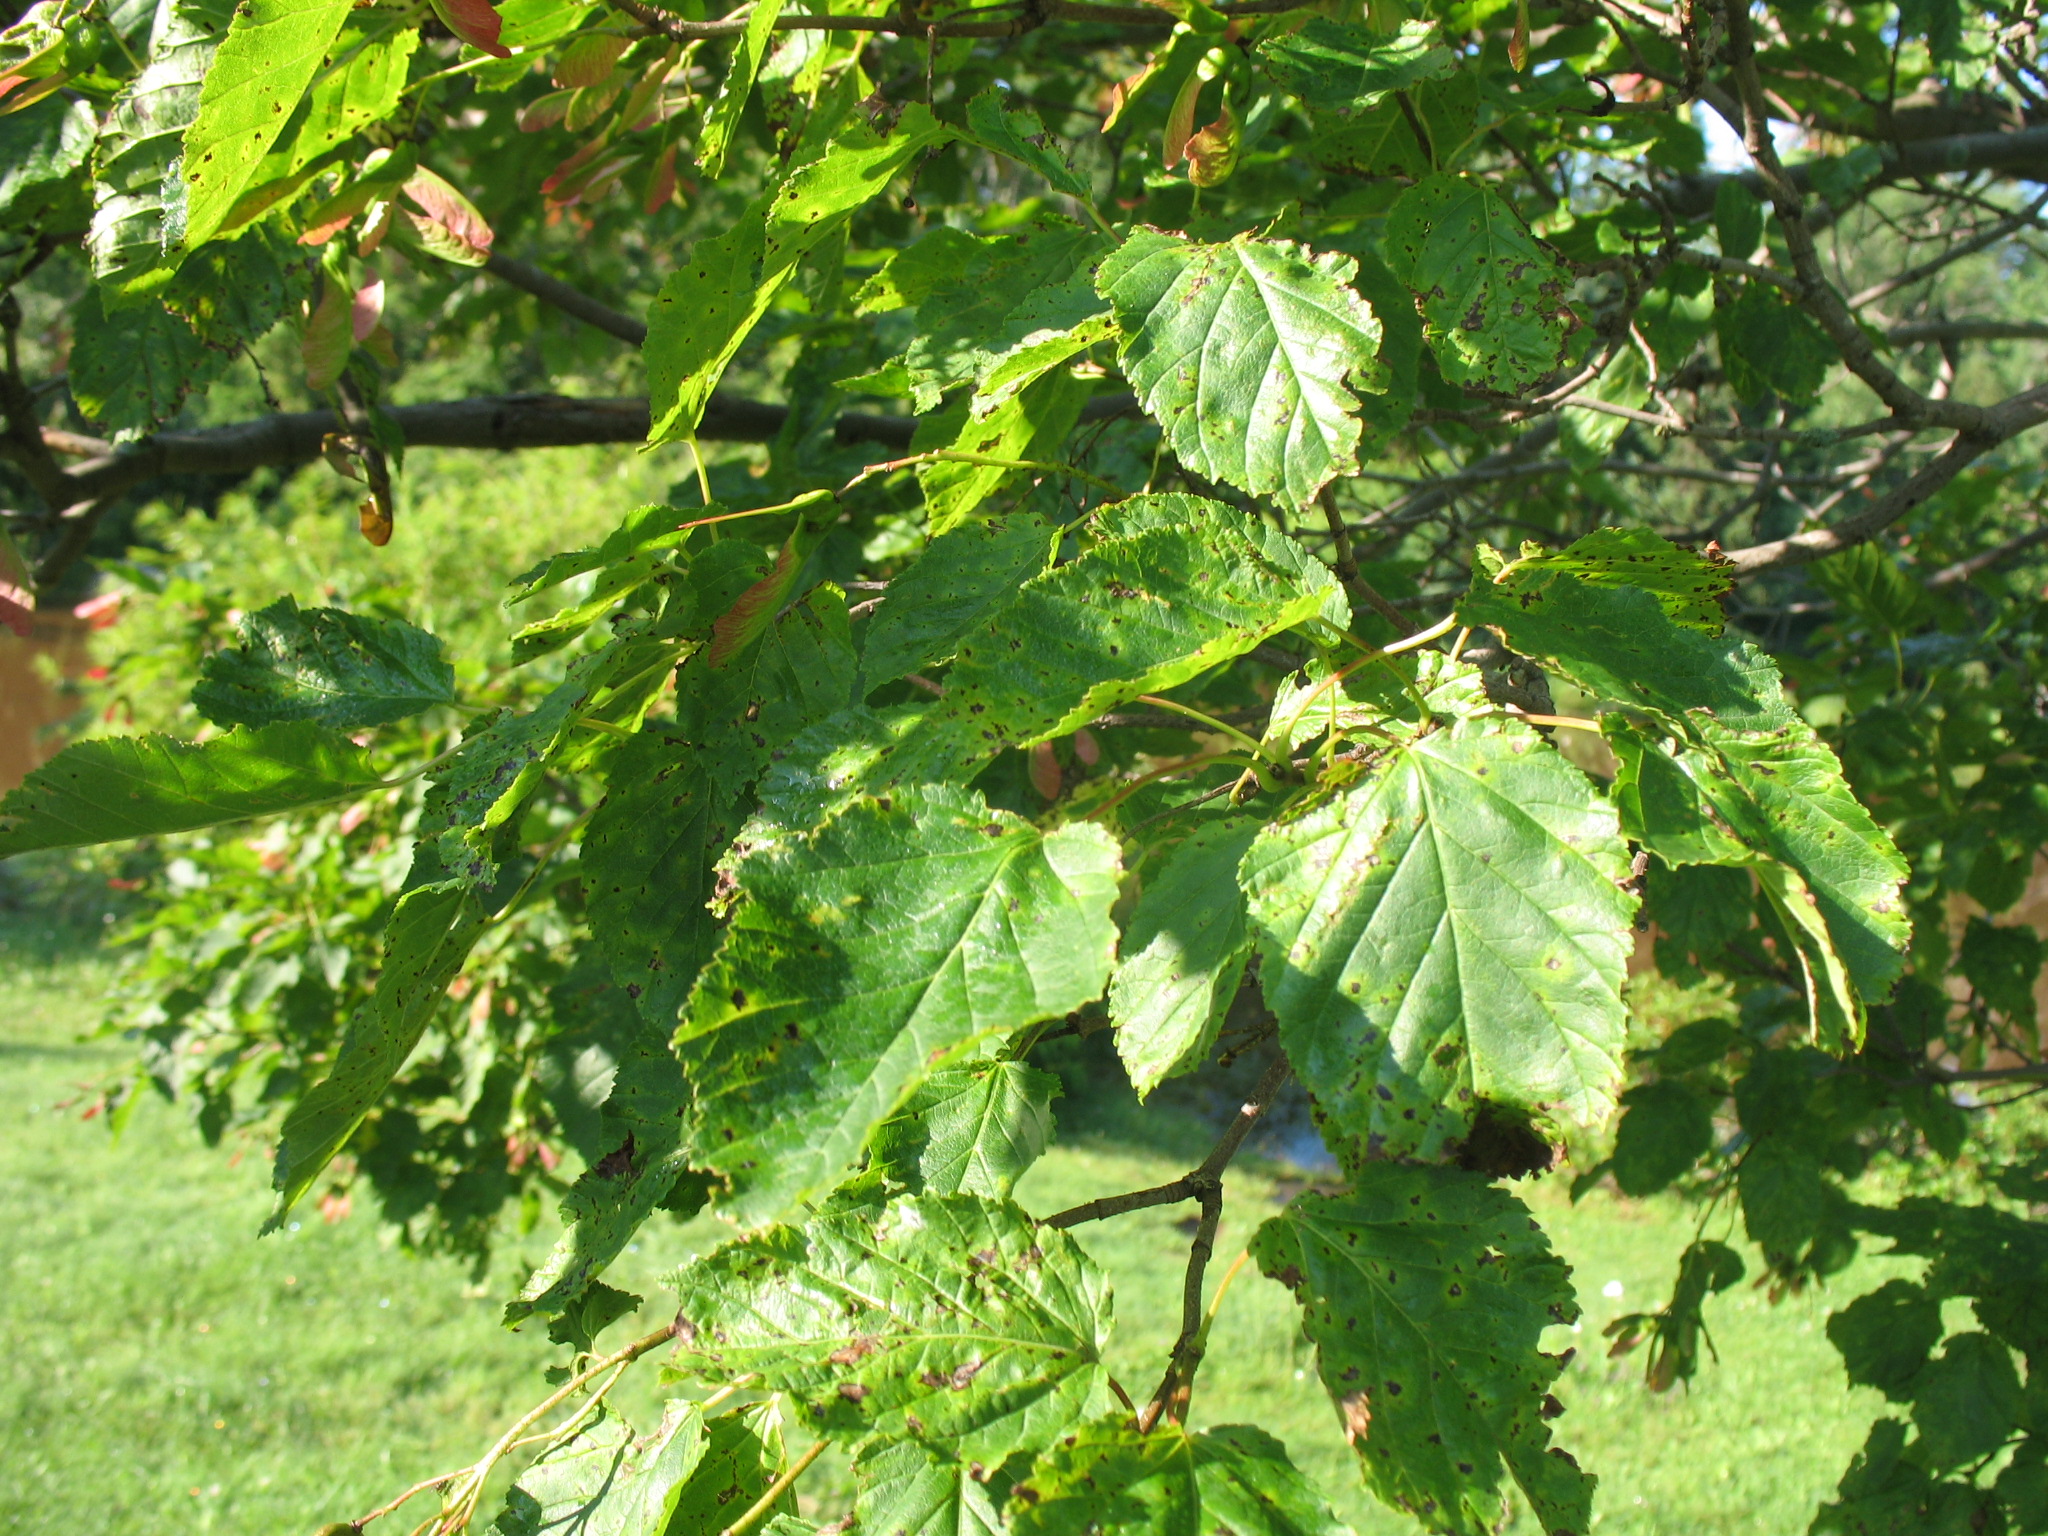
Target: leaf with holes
point(1450, 930)
point(119, 787)
point(131, 368)
point(1493, 297)
point(861, 958)
point(724, 114)
point(1426, 1292)
point(1688, 585)
point(951, 1317)
point(322, 664)
point(255, 83)
point(1111, 1475)
point(1249, 355)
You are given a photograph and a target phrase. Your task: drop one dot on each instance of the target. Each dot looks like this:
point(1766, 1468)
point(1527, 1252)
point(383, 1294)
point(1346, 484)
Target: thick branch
point(2023, 155)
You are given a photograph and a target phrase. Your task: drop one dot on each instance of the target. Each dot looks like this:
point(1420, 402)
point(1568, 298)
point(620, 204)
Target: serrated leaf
point(233, 291)
point(1176, 585)
point(1338, 70)
point(962, 577)
point(118, 787)
point(1020, 135)
point(640, 1130)
point(41, 146)
point(1110, 1475)
point(360, 82)
point(1008, 290)
point(2002, 965)
point(1885, 1337)
point(907, 1488)
point(724, 114)
point(1666, 1127)
point(707, 309)
point(429, 938)
point(892, 937)
point(252, 87)
point(1688, 585)
point(743, 1453)
point(649, 861)
point(1029, 427)
point(1770, 345)
point(968, 1130)
point(951, 1317)
point(1967, 1401)
point(1184, 949)
point(1426, 1292)
point(1492, 296)
point(914, 273)
point(131, 368)
point(139, 199)
point(607, 1481)
point(321, 664)
point(1620, 643)
point(1248, 354)
point(1738, 219)
point(1452, 929)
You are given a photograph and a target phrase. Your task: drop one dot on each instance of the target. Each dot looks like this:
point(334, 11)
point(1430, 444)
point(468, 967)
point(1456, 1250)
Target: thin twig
point(776, 1490)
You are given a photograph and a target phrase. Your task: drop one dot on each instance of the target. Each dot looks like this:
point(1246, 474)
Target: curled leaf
point(330, 333)
point(447, 223)
point(476, 22)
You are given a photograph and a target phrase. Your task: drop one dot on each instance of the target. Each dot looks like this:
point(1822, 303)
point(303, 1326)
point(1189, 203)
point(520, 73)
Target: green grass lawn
point(168, 1372)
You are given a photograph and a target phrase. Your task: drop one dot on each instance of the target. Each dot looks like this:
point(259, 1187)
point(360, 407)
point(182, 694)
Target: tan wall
point(30, 705)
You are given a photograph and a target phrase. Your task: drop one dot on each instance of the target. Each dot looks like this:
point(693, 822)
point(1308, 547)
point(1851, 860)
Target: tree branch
point(552, 290)
point(2023, 154)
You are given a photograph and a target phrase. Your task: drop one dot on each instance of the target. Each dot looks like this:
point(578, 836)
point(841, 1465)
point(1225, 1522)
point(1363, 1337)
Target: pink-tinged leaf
point(377, 227)
point(589, 59)
point(1045, 771)
point(1212, 152)
point(645, 107)
point(756, 608)
point(546, 112)
point(15, 95)
point(447, 223)
point(476, 22)
point(1087, 748)
point(571, 166)
point(17, 590)
point(367, 313)
point(591, 104)
point(329, 336)
point(596, 181)
point(99, 612)
point(1180, 121)
point(661, 184)
point(1518, 41)
point(330, 218)
point(379, 345)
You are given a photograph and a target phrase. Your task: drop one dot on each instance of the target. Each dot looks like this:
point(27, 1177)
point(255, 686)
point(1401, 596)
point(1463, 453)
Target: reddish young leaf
point(475, 22)
point(661, 183)
point(1045, 771)
point(329, 336)
point(589, 59)
point(570, 167)
point(368, 310)
point(545, 112)
point(447, 222)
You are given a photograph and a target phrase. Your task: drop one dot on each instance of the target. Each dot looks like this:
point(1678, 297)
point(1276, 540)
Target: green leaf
point(117, 787)
point(40, 147)
point(995, 296)
point(1769, 345)
point(649, 861)
point(1338, 70)
point(962, 577)
point(724, 114)
point(605, 1480)
point(429, 938)
point(1184, 949)
point(1492, 297)
point(1175, 586)
point(232, 292)
point(322, 664)
point(132, 368)
point(1667, 1127)
point(742, 1456)
point(968, 1130)
point(914, 273)
point(361, 80)
point(1688, 586)
point(909, 1489)
point(1020, 135)
point(1966, 1401)
point(253, 86)
point(1248, 355)
point(1621, 643)
point(893, 937)
point(1426, 1293)
point(2003, 965)
point(707, 309)
point(1452, 929)
point(952, 1317)
point(1885, 1337)
point(1738, 219)
point(643, 1160)
point(139, 212)
point(1030, 427)
point(1110, 1475)
point(1869, 582)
